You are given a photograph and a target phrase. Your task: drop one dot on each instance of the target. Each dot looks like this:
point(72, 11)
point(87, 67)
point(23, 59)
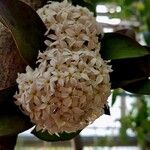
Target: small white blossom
point(70, 27)
point(70, 86)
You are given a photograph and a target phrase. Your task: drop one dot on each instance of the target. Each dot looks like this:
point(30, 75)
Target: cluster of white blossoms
point(69, 88)
point(70, 27)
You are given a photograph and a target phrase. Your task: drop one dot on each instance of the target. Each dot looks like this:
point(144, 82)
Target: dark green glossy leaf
point(115, 94)
point(148, 48)
point(84, 3)
point(12, 121)
point(141, 87)
point(54, 138)
point(26, 27)
point(5, 94)
point(13, 124)
point(77, 2)
point(118, 46)
point(126, 71)
point(106, 110)
point(147, 37)
point(114, 97)
point(127, 32)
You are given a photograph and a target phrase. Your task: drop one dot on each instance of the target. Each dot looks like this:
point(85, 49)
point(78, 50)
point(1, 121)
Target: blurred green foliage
point(137, 9)
point(138, 121)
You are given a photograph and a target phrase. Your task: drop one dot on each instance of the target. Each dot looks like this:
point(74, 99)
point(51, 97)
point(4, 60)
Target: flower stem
point(8, 142)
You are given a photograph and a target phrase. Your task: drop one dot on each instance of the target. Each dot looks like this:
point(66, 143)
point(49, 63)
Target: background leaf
point(26, 26)
point(54, 138)
point(118, 46)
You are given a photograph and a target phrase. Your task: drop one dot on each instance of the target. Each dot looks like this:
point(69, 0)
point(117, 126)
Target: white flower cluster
point(69, 88)
point(70, 27)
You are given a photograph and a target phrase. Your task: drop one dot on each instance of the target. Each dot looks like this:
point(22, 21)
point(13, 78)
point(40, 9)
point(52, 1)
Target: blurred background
point(128, 126)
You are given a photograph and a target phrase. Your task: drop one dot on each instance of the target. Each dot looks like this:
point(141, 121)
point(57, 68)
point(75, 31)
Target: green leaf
point(140, 87)
point(128, 2)
point(13, 124)
point(53, 137)
point(83, 3)
point(26, 27)
point(127, 32)
point(126, 71)
point(12, 121)
point(118, 46)
point(115, 94)
point(147, 5)
point(147, 37)
point(95, 2)
point(5, 94)
point(148, 48)
point(106, 110)
point(148, 21)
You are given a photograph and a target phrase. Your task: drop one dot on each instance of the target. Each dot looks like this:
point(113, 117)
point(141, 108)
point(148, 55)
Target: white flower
point(69, 88)
point(70, 27)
